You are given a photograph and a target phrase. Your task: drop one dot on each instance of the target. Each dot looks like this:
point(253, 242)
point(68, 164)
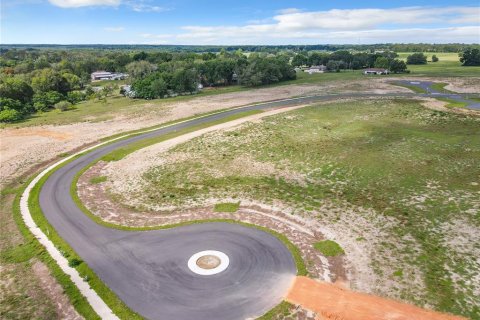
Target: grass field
point(447, 66)
point(410, 172)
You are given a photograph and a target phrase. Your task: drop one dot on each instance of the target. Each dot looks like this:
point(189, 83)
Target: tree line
point(343, 59)
point(174, 77)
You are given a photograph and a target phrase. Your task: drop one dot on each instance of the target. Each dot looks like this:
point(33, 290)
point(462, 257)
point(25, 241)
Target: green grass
point(440, 87)
point(99, 179)
point(281, 310)
point(329, 248)
point(227, 207)
point(412, 87)
point(32, 248)
point(448, 66)
point(123, 152)
point(453, 103)
point(379, 155)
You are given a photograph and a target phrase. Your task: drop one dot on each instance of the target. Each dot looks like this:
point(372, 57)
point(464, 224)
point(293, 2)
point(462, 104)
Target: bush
point(63, 105)
point(227, 207)
point(74, 262)
point(10, 115)
point(434, 58)
point(75, 96)
point(329, 248)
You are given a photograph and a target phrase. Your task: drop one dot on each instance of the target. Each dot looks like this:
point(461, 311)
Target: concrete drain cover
point(208, 262)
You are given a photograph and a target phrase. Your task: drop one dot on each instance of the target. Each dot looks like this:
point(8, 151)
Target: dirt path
point(332, 302)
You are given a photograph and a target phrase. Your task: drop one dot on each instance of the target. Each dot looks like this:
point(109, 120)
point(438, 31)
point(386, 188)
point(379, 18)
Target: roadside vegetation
point(411, 172)
point(227, 207)
point(329, 248)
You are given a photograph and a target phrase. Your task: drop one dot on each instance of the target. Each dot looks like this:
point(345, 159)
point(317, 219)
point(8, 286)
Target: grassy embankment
point(414, 167)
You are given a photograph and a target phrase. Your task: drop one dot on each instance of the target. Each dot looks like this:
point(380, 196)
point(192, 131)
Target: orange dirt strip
point(330, 302)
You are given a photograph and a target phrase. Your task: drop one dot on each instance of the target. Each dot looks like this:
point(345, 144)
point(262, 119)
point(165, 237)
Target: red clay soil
point(331, 302)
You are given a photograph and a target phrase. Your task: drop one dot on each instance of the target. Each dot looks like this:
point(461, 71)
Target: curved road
point(148, 269)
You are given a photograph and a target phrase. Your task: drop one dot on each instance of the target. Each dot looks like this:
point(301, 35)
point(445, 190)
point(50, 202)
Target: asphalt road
point(148, 269)
point(427, 86)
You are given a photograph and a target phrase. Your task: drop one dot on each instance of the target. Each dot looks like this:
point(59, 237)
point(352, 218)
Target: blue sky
point(238, 22)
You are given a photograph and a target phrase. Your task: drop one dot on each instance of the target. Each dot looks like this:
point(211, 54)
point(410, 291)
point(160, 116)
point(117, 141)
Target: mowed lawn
point(448, 66)
point(415, 169)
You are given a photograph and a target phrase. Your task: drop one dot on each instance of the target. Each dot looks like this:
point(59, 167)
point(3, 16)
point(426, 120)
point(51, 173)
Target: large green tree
point(470, 57)
point(417, 58)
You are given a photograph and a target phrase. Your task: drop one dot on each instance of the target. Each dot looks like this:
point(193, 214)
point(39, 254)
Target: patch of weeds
point(97, 180)
point(74, 262)
point(283, 309)
point(329, 248)
point(453, 103)
point(398, 273)
point(63, 154)
point(227, 207)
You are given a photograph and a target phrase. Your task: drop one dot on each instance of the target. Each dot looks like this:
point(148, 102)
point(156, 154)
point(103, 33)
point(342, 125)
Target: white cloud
point(145, 6)
point(406, 24)
point(114, 29)
point(83, 3)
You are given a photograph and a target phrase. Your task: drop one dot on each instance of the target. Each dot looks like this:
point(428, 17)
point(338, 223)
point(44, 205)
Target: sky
point(238, 22)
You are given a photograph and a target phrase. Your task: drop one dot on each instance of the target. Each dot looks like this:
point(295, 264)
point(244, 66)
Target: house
point(105, 75)
point(316, 69)
point(375, 71)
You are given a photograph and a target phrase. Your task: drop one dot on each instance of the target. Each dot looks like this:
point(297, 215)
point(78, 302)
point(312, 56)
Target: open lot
point(48, 135)
point(386, 179)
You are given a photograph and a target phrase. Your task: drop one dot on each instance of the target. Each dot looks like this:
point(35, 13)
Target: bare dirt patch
point(63, 306)
point(333, 302)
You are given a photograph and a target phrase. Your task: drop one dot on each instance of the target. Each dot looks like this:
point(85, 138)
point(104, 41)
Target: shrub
point(74, 262)
point(63, 105)
point(329, 248)
point(227, 207)
point(96, 180)
point(10, 115)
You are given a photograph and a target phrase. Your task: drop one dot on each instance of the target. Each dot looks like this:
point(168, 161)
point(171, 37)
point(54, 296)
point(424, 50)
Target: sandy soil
point(63, 306)
point(336, 303)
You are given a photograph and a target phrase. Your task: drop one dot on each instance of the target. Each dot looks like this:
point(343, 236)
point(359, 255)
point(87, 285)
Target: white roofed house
point(316, 69)
point(106, 75)
point(378, 71)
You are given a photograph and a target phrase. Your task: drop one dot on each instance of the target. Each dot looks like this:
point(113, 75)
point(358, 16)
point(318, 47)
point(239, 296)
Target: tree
point(382, 62)
point(434, 58)
point(299, 60)
point(16, 89)
point(42, 101)
point(397, 66)
point(140, 69)
point(49, 80)
point(417, 58)
point(159, 88)
point(470, 57)
point(333, 66)
point(12, 110)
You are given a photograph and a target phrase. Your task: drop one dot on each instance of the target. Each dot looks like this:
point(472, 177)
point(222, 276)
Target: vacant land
point(393, 183)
